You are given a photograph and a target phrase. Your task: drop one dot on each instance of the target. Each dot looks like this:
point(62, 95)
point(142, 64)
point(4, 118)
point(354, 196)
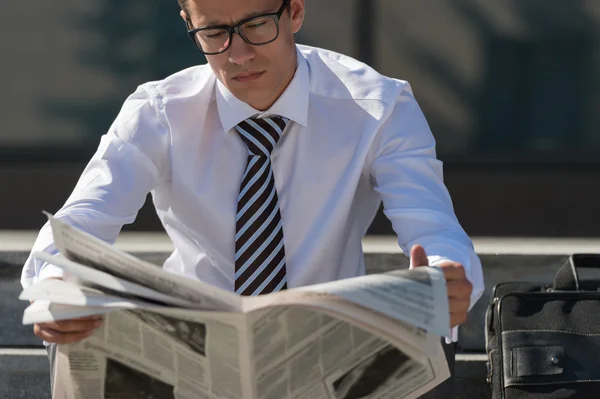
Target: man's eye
point(215, 35)
point(255, 25)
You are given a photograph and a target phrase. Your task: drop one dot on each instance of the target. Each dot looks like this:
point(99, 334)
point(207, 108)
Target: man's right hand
point(67, 331)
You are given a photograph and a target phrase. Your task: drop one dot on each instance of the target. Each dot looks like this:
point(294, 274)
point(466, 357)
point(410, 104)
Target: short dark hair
point(183, 5)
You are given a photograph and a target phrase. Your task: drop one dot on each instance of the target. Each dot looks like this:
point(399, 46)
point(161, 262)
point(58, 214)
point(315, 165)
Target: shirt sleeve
point(129, 163)
point(409, 178)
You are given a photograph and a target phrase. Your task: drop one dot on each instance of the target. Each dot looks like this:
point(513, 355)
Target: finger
point(94, 317)
point(57, 337)
point(73, 326)
point(418, 257)
point(459, 288)
point(457, 319)
point(459, 306)
point(452, 271)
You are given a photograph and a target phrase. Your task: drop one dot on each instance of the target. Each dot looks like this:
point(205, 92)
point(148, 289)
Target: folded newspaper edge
point(375, 336)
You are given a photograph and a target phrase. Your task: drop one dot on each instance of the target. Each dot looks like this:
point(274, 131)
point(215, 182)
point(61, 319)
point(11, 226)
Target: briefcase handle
point(567, 278)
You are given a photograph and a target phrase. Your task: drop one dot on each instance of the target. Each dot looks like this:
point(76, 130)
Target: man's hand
point(67, 331)
point(459, 288)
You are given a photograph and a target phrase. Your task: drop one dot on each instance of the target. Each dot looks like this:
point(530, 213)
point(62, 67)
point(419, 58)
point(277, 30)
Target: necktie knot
point(261, 134)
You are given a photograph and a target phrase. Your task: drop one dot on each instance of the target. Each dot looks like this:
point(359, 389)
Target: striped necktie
point(259, 250)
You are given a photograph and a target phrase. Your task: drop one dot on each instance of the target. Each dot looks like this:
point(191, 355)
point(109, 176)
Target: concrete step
point(471, 373)
point(24, 374)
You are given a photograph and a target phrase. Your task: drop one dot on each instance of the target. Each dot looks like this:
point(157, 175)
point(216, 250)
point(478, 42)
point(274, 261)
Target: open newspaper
point(170, 337)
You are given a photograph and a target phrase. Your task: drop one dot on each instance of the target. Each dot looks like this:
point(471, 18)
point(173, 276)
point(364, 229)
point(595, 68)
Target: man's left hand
point(459, 288)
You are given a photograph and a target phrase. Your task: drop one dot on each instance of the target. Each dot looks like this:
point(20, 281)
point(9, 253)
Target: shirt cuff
point(453, 337)
point(436, 260)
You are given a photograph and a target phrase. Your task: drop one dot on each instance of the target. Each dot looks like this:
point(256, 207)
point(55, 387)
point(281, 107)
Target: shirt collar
point(292, 104)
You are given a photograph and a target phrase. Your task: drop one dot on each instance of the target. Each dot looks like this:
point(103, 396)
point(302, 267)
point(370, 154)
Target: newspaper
point(165, 336)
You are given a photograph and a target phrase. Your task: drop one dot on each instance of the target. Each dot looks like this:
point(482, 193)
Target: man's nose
point(240, 52)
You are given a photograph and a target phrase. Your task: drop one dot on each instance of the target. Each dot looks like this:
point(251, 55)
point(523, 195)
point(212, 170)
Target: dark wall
point(488, 201)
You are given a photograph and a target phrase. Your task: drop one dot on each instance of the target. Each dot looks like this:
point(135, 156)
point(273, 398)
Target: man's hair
point(183, 5)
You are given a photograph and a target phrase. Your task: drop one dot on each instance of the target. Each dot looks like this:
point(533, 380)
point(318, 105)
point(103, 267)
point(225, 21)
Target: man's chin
point(251, 95)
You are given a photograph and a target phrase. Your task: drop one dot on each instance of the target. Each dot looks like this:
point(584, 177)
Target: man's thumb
point(418, 257)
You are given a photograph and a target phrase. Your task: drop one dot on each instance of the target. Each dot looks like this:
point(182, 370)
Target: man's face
point(257, 75)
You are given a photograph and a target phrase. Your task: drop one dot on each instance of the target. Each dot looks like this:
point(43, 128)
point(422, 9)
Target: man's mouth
point(247, 76)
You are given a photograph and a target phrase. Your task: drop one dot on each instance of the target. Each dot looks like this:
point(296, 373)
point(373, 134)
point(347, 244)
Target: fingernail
point(98, 323)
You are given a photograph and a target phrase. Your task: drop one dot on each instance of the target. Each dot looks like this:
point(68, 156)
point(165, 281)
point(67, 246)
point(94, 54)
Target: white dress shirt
point(355, 138)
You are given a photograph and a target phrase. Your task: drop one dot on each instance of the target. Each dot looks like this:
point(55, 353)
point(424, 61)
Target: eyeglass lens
point(256, 31)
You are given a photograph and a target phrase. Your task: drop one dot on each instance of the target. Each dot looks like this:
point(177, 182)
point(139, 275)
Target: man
point(268, 165)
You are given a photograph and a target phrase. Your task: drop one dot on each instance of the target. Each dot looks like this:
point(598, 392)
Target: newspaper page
point(45, 311)
point(325, 348)
point(292, 353)
point(90, 277)
point(302, 352)
point(81, 247)
point(417, 298)
point(140, 354)
point(377, 345)
point(63, 292)
point(377, 336)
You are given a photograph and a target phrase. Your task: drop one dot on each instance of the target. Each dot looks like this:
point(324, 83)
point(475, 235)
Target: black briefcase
point(543, 340)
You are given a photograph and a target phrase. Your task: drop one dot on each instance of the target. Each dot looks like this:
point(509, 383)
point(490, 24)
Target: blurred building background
point(511, 89)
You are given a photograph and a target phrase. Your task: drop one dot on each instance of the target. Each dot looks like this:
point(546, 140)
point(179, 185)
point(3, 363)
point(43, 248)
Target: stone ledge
point(22, 241)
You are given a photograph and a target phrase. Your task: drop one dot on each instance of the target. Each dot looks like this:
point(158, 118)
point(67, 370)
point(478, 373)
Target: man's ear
point(297, 12)
point(184, 15)
point(187, 20)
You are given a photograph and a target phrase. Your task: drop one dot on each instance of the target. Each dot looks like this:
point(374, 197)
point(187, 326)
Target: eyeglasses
point(257, 31)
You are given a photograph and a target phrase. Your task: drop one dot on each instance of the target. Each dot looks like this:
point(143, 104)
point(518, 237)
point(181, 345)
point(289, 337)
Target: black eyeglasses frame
point(276, 16)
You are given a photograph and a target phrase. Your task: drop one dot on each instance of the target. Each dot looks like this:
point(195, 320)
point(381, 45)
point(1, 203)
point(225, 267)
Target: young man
point(268, 165)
